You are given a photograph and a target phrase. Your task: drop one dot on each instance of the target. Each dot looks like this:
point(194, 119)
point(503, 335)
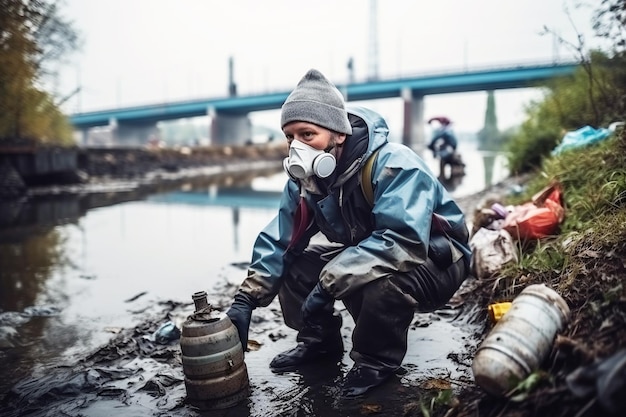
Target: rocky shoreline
point(115, 169)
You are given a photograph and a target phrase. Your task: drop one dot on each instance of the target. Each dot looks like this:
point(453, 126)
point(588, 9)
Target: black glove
point(314, 303)
point(240, 313)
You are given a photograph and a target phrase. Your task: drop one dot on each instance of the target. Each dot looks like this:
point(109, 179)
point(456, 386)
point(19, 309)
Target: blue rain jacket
point(390, 237)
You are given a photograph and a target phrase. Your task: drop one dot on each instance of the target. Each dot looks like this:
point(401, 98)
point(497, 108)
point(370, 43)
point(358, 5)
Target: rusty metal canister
point(216, 376)
point(520, 340)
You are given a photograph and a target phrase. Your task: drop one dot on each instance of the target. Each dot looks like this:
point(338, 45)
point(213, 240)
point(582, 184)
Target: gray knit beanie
point(316, 100)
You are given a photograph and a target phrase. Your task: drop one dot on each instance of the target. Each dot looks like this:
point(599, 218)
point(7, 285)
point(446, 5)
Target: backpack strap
point(366, 178)
point(439, 247)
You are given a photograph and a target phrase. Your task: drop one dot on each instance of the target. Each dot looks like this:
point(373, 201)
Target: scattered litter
point(605, 379)
point(114, 330)
point(584, 136)
point(491, 250)
point(131, 299)
point(538, 218)
point(166, 333)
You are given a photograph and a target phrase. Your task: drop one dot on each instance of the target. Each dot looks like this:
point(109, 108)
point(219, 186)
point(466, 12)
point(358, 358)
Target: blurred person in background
point(443, 144)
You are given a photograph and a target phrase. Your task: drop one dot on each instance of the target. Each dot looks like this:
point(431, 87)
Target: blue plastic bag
point(581, 137)
point(166, 333)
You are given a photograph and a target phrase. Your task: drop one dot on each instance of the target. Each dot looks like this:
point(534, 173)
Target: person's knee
point(440, 251)
point(431, 286)
point(449, 281)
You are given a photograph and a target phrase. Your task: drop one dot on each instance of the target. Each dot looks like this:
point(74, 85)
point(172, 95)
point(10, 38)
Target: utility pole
point(232, 86)
point(373, 42)
point(350, 67)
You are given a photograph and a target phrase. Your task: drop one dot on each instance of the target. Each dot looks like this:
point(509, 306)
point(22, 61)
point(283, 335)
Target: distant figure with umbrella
point(443, 145)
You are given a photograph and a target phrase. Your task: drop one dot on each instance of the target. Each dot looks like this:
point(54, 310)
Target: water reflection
point(25, 268)
point(25, 271)
point(452, 182)
point(482, 169)
point(102, 259)
point(491, 168)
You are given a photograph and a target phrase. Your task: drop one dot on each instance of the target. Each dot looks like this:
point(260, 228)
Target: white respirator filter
point(304, 161)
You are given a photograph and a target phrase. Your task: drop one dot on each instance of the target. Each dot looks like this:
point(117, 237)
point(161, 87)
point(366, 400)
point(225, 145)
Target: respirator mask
point(304, 161)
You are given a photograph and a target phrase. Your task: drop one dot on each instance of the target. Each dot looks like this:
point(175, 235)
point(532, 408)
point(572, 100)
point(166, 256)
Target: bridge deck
point(517, 76)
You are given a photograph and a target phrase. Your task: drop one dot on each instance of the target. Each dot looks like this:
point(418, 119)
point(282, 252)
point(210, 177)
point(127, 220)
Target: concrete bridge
point(228, 116)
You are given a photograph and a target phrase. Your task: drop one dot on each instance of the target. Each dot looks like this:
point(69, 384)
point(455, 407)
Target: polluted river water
point(82, 300)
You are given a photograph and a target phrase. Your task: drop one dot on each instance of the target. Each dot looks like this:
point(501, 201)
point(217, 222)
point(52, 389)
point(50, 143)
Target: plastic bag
point(490, 250)
point(581, 137)
point(539, 218)
point(604, 380)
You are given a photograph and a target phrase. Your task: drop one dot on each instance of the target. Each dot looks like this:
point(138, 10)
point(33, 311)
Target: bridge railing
point(363, 80)
point(433, 72)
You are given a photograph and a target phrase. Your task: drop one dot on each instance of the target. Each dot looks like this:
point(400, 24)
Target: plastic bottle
point(520, 340)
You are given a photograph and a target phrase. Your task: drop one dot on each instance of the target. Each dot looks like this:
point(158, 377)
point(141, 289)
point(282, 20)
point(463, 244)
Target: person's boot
point(321, 341)
point(362, 378)
point(306, 353)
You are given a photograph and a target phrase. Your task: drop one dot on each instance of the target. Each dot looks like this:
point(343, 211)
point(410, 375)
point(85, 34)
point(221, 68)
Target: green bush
point(593, 96)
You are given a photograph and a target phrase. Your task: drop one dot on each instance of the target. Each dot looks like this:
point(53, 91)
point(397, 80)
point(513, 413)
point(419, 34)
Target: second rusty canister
point(213, 362)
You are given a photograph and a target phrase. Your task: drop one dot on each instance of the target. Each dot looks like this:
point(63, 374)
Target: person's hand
point(240, 313)
point(314, 303)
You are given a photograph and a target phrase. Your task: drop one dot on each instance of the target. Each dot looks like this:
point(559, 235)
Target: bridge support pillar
point(413, 134)
point(136, 134)
point(229, 129)
point(81, 136)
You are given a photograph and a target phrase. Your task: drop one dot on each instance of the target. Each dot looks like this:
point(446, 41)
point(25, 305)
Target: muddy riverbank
point(135, 375)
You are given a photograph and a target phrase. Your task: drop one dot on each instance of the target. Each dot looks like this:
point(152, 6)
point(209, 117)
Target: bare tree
point(610, 23)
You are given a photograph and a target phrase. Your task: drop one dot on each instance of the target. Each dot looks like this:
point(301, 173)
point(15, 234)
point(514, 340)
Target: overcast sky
point(154, 51)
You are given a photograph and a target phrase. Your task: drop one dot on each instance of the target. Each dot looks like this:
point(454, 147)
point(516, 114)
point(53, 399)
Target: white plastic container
point(520, 340)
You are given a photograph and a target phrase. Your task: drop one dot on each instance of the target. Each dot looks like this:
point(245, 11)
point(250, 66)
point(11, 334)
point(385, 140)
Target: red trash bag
point(539, 218)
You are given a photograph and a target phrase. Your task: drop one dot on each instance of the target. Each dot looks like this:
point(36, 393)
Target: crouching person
point(404, 248)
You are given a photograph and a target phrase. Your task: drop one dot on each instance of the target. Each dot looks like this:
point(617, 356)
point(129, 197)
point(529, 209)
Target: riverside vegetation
point(586, 264)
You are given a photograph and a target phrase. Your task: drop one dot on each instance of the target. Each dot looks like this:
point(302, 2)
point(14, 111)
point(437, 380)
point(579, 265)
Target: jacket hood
point(376, 126)
point(376, 136)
